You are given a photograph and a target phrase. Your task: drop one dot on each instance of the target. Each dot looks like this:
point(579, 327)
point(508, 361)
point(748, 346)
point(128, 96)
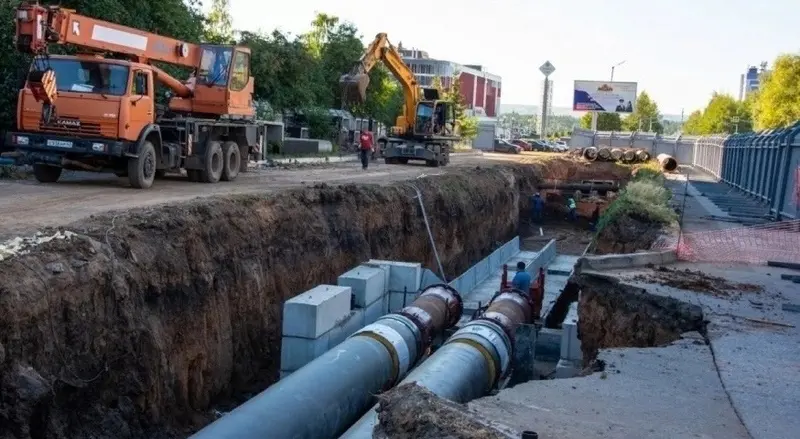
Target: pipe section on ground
point(472, 362)
point(590, 153)
point(629, 156)
point(667, 163)
point(604, 153)
point(323, 398)
point(616, 154)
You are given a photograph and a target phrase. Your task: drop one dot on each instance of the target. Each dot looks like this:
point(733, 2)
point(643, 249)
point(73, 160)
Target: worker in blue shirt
point(572, 209)
point(537, 206)
point(522, 280)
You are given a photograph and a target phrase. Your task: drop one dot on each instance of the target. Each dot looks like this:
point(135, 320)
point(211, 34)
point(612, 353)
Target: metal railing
point(763, 165)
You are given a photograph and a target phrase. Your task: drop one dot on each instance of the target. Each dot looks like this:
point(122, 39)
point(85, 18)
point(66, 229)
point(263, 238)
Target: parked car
point(542, 145)
point(523, 144)
point(502, 145)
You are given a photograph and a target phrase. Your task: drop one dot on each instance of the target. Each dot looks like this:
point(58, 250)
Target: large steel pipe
point(590, 153)
point(667, 163)
point(323, 398)
point(629, 156)
point(472, 362)
point(604, 153)
point(616, 154)
point(642, 155)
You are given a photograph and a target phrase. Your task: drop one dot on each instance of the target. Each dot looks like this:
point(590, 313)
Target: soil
point(413, 412)
point(570, 239)
point(618, 315)
point(696, 281)
point(627, 235)
point(140, 322)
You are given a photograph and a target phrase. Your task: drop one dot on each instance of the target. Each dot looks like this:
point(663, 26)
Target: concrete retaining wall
point(293, 145)
point(610, 262)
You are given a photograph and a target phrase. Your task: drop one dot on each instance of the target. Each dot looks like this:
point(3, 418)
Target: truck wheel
point(244, 158)
point(232, 162)
point(46, 173)
point(213, 163)
point(142, 170)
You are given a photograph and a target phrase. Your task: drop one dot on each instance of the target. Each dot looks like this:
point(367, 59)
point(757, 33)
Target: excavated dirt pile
point(613, 315)
point(627, 234)
point(413, 412)
point(138, 323)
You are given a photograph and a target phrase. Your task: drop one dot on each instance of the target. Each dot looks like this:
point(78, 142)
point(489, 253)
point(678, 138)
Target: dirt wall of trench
point(139, 324)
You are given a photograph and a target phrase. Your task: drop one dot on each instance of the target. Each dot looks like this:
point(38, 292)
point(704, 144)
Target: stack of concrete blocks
point(484, 269)
point(313, 322)
point(571, 361)
point(321, 318)
point(402, 280)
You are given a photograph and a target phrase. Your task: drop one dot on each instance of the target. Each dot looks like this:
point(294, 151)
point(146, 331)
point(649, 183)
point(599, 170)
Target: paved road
point(26, 205)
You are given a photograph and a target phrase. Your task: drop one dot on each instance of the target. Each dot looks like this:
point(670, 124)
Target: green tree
point(218, 23)
point(605, 122)
point(467, 125)
point(323, 28)
point(778, 102)
point(645, 115)
point(693, 124)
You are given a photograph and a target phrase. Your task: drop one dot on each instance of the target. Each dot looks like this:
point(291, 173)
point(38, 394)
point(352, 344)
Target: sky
point(679, 51)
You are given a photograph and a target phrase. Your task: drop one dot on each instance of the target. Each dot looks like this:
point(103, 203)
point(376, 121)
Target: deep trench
point(145, 320)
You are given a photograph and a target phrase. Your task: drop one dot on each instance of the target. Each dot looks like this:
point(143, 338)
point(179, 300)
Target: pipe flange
point(451, 293)
point(491, 336)
point(394, 343)
point(404, 320)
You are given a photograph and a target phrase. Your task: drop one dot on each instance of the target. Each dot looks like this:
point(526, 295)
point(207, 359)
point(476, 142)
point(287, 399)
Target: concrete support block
point(403, 276)
point(374, 311)
point(285, 373)
point(548, 344)
point(396, 302)
point(570, 344)
point(368, 284)
point(296, 352)
point(346, 327)
point(315, 312)
point(567, 369)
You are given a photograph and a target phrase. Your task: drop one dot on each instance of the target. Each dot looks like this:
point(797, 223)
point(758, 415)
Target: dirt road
point(26, 205)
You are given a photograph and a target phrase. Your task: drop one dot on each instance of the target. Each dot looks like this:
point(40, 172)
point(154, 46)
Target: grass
point(644, 198)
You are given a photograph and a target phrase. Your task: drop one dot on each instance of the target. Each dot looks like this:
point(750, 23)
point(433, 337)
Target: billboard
point(604, 97)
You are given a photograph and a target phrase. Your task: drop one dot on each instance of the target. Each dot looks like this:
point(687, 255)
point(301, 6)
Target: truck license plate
point(59, 143)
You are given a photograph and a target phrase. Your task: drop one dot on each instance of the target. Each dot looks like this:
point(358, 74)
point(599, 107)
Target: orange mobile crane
point(88, 112)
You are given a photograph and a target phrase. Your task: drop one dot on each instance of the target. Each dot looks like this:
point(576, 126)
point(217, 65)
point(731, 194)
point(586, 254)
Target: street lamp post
point(614, 67)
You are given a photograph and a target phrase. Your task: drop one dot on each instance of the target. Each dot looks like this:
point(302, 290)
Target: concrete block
point(403, 276)
point(285, 373)
point(570, 344)
point(396, 302)
point(383, 266)
point(375, 311)
point(567, 369)
point(316, 311)
point(296, 352)
point(548, 344)
point(346, 327)
point(429, 278)
point(368, 284)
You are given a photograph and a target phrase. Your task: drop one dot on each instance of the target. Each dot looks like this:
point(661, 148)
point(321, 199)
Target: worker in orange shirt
point(367, 144)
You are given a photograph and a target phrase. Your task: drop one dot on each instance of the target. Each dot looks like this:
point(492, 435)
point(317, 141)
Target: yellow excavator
point(426, 128)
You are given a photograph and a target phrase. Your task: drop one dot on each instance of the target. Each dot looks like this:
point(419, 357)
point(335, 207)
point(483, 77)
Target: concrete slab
point(562, 265)
point(548, 345)
point(755, 342)
point(375, 310)
point(570, 344)
point(346, 327)
point(658, 393)
point(296, 352)
point(403, 276)
point(315, 312)
point(399, 300)
point(567, 369)
point(368, 284)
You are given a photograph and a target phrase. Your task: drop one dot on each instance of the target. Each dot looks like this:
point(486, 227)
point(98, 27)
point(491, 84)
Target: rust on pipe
point(436, 309)
point(667, 162)
point(509, 309)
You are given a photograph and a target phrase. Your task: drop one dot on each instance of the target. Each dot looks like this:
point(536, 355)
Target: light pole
point(614, 67)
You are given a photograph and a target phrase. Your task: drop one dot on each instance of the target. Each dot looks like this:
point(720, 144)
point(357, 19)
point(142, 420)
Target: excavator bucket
point(354, 88)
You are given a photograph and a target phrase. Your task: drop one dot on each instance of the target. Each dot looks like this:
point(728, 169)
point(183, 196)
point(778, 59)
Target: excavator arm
point(354, 84)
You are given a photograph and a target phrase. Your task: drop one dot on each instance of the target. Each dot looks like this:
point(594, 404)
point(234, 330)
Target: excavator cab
point(435, 118)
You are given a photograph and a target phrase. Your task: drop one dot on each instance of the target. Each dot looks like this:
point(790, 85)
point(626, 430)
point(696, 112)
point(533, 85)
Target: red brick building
point(481, 90)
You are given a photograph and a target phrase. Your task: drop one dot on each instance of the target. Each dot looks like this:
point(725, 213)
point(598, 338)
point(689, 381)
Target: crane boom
point(380, 49)
point(38, 26)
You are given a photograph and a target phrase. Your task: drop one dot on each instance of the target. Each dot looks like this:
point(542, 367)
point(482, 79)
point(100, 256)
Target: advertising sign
point(604, 97)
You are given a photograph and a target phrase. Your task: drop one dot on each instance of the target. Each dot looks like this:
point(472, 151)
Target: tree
point(722, 114)
point(218, 23)
point(467, 125)
point(645, 116)
point(778, 101)
point(605, 122)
